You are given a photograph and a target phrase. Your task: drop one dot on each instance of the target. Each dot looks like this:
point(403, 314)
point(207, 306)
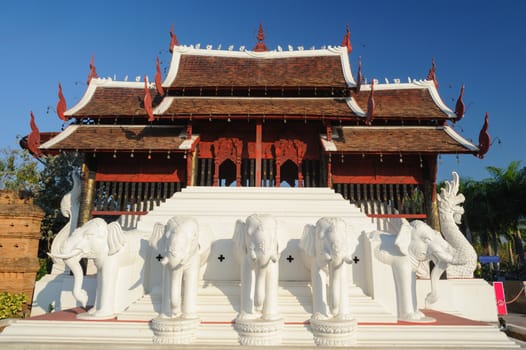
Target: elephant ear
point(206, 236)
point(403, 239)
point(116, 238)
point(352, 237)
point(281, 233)
point(156, 237)
point(308, 240)
point(239, 239)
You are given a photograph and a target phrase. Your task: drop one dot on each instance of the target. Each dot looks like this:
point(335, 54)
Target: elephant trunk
point(78, 276)
point(259, 290)
point(334, 290)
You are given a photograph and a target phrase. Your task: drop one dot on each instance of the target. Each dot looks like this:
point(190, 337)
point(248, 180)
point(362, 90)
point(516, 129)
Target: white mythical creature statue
point(111, 249)
point(328, 249)
point(69, 207)
point(184, 246)
point(450, 214)
point(257, 248)
point(410, 245)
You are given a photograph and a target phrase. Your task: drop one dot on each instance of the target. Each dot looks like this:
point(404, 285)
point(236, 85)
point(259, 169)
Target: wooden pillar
point(88, 192)
point(238, 169)
point(430, 191)
point(329, 170)
point(189, 167)
point(278, 170)
point(300, 174)
point(259, 151)
point(216, 172)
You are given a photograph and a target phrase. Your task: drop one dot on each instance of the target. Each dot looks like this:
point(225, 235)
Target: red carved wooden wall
point(293, 150)
point(227, 148)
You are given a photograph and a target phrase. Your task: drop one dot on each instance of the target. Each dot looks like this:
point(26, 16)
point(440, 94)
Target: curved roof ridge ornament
point(92, 70)
point(370, 106)
point(33, 140)
point(260, 46)
point(432, 73)
point(347, 40)
point(460, 108)
point(158, 77)
point(484, 138)
point(173, 39)
point(61, 104)
point(148, 101)
point(359, 76)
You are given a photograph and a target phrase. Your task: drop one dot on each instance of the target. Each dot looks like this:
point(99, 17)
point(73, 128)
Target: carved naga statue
point(450, 214)
point(69, 207)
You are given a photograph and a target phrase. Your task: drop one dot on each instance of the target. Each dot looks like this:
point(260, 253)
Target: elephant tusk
point(73, 254)
point(164, 261)
point(348, 260)
point(273, 258)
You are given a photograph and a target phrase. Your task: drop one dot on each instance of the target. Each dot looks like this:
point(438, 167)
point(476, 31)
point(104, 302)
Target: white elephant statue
point(184, 247)
point(328, 249)
point(257, 249)
point(111, 249)
point(415, 244)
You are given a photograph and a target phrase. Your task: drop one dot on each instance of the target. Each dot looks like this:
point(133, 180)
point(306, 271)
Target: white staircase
point(218, 295)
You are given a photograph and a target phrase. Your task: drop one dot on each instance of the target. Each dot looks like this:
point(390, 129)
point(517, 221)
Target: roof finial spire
point(432, 73)
point(33, 140)
point(158, 77)
point(260, 46)
point(92, 70)
point(370, 106)
point(173, 39)
point(148, 101)
point(359, 77)
point(347, 40)
point(459, 107)
point(61, 104)
point(484, 138)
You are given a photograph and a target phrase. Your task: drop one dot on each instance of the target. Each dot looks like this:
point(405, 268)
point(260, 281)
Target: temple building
point(259, 118)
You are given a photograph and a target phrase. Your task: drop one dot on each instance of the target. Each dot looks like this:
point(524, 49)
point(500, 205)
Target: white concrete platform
point(372, 298)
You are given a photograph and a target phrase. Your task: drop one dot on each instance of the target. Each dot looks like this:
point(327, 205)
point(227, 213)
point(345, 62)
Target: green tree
point(47, 181)
point(55, 182)
point(509, 184)
point(19, 172)
point(494, 206)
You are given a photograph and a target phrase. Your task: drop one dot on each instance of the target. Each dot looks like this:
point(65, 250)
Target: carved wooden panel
point(227, 148)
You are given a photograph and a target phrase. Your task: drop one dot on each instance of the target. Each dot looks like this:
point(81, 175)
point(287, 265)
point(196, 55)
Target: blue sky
point(481, 44)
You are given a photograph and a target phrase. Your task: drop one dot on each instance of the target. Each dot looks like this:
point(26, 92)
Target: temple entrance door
point(227, 149)
point(289, 174)
point(289, 155)
point(227, 173)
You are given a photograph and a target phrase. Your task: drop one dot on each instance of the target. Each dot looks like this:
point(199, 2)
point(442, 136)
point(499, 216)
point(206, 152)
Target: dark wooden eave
point(396, 140)
point(107, 138)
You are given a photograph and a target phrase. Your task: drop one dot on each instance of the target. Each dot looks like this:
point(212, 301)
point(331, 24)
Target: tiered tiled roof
point(254, 106)
point(218, 71)
point(106, 98)
point(371, 139)
point(119, 137)
point(310, 84)
point(309, 70)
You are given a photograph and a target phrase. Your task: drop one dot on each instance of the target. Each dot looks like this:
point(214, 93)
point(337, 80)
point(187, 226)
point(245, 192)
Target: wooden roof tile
point(400, 139)
point(116, 101)
point(401, 104)
point(258, 106)
point(218, 71)
point(116, 137)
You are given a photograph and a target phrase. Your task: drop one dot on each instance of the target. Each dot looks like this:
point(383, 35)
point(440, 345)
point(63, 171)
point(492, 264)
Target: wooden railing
point(386, 200)
point(313, 174)
point(131, 198)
